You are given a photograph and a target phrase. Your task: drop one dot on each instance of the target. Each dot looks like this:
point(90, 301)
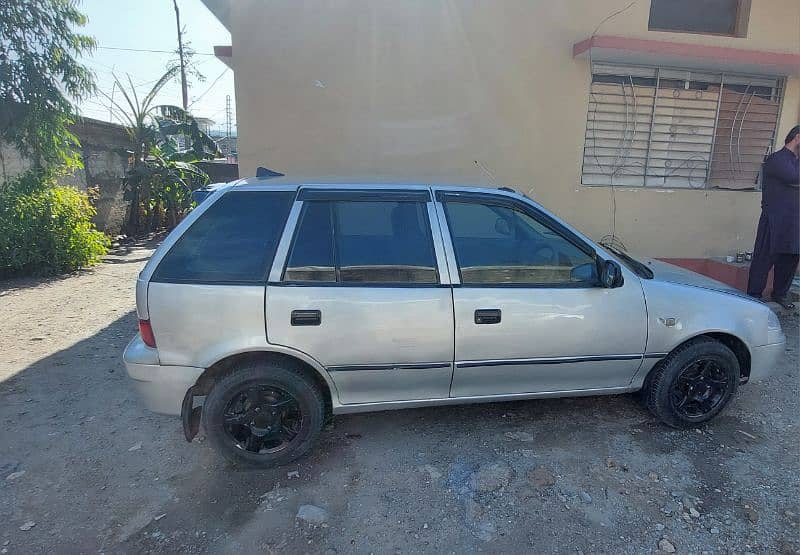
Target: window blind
point(665, 127)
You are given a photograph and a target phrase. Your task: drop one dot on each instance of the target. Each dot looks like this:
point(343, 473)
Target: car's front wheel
point(693, 384)
point(264, 415)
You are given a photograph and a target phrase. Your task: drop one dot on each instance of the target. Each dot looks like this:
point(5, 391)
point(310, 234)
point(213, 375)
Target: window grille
point(665, 127)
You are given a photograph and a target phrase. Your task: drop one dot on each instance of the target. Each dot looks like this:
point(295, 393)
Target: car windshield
point(639, 268)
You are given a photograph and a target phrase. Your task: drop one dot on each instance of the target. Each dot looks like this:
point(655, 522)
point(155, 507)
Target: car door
point(359, 290)
point(530, 315)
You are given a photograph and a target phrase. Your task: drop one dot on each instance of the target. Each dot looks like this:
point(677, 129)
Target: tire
point(666, 390)
point(247, 395)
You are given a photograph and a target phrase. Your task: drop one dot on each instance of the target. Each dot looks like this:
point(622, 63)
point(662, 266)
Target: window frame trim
point(364, 195)
point(286, 244)
point(470, 197)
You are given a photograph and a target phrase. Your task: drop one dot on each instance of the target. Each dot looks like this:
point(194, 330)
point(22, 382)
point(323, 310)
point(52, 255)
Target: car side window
point(363, 242)
point(497, 244)
point(384, 242)
point(233, 241)
point(311, 257)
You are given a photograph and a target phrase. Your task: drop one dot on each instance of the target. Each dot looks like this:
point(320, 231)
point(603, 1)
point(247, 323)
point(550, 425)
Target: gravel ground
point(85, 469)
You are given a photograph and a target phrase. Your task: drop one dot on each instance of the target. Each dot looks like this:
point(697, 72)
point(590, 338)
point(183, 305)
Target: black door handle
point(306, 317)
point(487, 316)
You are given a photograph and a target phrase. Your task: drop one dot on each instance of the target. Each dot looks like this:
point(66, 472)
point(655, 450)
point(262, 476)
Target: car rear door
point(205, 285)
point(360, 284)
point(530, 315)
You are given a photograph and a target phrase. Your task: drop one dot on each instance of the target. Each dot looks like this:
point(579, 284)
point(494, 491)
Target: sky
point(150, 25)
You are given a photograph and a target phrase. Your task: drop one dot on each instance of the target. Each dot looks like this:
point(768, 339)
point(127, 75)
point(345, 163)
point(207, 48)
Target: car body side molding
point(554, 360)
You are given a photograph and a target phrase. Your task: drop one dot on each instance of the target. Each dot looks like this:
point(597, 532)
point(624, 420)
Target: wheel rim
point(699, 388)
point(262, 419)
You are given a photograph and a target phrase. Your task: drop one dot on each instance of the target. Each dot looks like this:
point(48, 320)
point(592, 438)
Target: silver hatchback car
point(275, 305)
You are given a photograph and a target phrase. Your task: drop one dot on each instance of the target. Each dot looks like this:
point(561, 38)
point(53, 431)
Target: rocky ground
point(85, 469)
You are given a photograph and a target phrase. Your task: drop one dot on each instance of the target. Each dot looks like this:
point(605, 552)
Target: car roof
point(290, 183)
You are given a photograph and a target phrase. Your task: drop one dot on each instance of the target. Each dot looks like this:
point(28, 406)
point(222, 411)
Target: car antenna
point(264, 173)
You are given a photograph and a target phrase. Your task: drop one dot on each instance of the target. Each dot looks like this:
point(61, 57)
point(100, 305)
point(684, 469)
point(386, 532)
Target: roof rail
point(264, 173)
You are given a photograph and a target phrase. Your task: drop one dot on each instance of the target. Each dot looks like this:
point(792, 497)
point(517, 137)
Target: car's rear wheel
point(265, 415)
point(693, 384)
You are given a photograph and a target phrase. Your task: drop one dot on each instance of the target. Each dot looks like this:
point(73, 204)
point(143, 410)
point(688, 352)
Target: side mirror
point(610, 274)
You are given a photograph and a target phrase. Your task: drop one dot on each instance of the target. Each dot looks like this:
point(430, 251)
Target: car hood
point(670, 273)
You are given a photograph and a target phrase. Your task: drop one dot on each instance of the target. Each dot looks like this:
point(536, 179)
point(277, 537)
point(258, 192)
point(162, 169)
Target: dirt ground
point(85, 469)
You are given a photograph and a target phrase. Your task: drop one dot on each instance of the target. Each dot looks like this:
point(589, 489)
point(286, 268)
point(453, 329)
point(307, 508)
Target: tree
point(39, 72)
point(166, 143)
point(193, 74)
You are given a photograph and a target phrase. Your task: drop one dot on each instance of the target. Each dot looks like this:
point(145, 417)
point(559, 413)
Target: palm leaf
point(162, 81)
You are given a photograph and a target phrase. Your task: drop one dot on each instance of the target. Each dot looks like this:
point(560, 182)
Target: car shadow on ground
point(73, 424)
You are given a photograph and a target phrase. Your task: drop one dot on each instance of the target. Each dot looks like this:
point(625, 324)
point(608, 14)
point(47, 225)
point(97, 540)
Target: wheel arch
point(739, 348)
point(730, 340)
point(227, 364)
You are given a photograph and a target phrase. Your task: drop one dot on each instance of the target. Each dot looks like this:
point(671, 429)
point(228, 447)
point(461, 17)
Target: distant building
point(205, 124)
point(650, 119)
point(229, 148)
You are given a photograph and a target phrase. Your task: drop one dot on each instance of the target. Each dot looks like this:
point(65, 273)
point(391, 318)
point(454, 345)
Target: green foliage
point(46, 229)
point(162, 174)
point(39, 73)
point(163, 188)
point(193, 74)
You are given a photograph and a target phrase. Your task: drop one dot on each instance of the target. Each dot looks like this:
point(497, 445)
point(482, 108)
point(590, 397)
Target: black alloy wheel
point(263, 419)
point(699, 388)
point(693, 383)
point(264, 414)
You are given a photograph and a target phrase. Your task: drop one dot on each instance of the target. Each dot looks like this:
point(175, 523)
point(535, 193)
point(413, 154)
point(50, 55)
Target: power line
point(101, 74)
point(110, 73)
point(196, 100)
point(149, 50)
point(218, 112)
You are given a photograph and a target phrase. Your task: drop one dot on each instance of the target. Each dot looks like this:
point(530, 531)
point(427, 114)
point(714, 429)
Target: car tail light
point(146, 331)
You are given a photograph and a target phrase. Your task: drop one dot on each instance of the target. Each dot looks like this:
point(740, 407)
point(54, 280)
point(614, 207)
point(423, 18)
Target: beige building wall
point(483, 92)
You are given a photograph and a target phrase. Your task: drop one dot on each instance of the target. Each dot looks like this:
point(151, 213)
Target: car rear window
point(233, 241)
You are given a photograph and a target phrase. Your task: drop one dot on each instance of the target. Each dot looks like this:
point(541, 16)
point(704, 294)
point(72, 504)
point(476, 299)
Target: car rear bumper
point(162, 388)
point(764, 360)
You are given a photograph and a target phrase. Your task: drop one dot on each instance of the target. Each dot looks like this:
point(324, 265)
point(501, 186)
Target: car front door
point(359, 290)
point(530, 314)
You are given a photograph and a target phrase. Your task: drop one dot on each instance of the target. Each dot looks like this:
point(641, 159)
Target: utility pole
point(184, 89)
point(228, 144)
point(113, 88)
point(111, 106)
point(228, 117)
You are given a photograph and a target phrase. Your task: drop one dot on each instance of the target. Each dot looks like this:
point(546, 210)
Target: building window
point(711, 17)
point(678, 128)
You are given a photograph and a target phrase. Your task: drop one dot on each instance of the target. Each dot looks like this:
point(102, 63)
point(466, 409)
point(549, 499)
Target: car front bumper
point(162, 388)
point(764, 360)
